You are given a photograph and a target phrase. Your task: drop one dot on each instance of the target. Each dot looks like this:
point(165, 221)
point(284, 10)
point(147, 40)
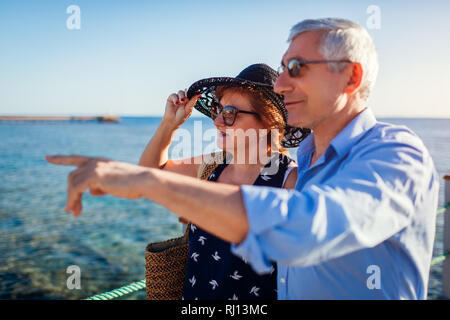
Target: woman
point(248, 103)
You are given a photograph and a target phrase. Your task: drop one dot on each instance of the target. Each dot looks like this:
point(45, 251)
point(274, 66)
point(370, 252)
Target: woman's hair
point(268, 113)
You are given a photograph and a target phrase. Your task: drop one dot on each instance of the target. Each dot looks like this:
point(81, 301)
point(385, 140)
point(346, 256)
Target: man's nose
point(283, 84)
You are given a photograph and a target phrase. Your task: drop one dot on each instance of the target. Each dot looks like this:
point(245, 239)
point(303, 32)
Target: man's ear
point(355, 79)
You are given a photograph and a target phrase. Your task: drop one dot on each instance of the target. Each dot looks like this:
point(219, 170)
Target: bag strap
point(210, 163)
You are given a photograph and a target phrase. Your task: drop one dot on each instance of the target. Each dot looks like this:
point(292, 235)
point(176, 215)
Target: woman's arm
point(156, 152)
point(155, 155)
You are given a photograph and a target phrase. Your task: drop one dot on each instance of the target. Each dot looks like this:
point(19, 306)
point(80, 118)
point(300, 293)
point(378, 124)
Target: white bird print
point(202, 239)
point(234, 297)
point(214, 284)
point(193, 227)
point(212, 176)
point(216, 256)
point(194, 256)
point(275, 161)
point(265, 177)
point(193, 280)
point(255, 291)
point(235, 275)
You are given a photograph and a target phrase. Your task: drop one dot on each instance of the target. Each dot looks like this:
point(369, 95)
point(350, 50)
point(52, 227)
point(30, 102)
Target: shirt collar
point(346, 138)
point(306, 146)
point(354, 131)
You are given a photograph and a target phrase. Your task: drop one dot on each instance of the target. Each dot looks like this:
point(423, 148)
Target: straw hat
point(257, 76)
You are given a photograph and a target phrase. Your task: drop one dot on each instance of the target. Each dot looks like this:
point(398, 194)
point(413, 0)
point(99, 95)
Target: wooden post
point(446, 266)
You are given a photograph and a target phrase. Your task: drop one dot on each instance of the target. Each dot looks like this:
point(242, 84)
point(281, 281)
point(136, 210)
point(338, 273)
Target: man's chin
point(295, 118)
point(298, 123)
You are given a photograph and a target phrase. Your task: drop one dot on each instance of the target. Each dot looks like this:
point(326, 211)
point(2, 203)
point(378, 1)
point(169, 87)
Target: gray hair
point(344, 39)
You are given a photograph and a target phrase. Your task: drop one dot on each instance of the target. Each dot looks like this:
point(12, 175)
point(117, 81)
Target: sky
point(127, 57)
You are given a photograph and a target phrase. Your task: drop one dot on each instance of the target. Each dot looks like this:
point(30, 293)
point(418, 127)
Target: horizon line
point(194, 116)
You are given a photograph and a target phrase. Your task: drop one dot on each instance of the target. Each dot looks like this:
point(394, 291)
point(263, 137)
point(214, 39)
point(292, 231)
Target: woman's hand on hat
point(179, 108)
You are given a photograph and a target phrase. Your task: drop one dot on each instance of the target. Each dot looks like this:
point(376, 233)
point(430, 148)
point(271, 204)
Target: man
point(359, 223)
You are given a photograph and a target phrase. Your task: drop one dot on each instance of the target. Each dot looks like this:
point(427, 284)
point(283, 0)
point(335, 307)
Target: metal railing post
point(446, 265)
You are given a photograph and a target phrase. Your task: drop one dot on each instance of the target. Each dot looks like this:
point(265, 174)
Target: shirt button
point(283, 280)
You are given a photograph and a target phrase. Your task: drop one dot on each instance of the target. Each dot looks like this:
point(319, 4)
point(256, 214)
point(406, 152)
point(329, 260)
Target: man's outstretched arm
point(215, 207)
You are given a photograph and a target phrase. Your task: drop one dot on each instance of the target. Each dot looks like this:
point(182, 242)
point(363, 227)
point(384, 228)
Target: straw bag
point(166, 261)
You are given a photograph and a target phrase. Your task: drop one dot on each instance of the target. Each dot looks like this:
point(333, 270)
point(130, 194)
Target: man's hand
point(215, 207)
point(101, 176)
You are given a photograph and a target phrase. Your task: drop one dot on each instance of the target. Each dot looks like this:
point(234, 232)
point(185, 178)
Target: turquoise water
point(39, 241)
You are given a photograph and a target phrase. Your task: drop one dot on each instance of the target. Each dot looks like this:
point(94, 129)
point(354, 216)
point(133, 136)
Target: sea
point(40, 243)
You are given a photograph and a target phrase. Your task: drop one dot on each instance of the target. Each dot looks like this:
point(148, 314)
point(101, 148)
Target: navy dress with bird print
point(213, 271)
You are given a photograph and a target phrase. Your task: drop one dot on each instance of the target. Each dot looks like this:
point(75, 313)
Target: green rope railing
point(136, 286)
point(439, 259)
point(442, 210)
point(132, 287)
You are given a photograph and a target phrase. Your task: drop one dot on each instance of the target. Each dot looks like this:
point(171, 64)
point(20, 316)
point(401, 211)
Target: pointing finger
point(74, 160)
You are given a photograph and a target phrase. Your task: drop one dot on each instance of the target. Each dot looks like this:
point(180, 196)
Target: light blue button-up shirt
point(360, 223)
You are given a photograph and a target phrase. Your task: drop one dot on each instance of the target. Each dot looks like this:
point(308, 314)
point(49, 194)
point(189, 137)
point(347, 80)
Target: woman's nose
point(218, 121)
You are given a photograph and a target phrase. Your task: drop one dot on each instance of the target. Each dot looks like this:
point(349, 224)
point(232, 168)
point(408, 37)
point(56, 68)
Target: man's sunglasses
point(294, 65)
point(229, 113)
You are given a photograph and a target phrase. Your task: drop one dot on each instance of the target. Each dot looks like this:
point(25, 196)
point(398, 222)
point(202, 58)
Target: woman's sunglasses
point(229, 113)
point(294, 65)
